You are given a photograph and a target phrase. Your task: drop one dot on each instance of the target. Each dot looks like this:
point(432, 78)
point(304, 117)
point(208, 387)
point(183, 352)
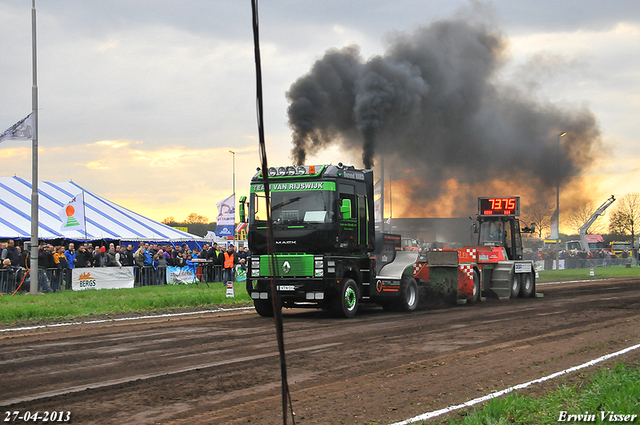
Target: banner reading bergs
point(102, 278)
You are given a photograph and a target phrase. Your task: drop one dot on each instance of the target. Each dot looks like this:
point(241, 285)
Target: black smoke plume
point(433, 103)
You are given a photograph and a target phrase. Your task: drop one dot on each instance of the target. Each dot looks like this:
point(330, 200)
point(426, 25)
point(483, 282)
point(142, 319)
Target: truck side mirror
point(345, 209)
point(243, 200)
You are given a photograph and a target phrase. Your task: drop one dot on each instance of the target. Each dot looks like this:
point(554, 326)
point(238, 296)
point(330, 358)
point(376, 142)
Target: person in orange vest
point(230, 261)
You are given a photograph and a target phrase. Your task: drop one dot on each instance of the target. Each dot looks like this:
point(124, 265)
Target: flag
point(22, 130)
point(72, 214)
point(377, 188)
point(226, 220)
point(377, 214)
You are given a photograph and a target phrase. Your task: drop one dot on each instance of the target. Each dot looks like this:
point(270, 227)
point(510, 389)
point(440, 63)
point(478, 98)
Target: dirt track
point(223, 368)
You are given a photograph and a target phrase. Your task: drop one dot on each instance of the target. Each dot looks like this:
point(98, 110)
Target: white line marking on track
point(122, 319)
point(430, 415)
point(572, 281)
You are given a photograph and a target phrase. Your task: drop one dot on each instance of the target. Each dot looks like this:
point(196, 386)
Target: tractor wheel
point(526, 285)
point(263, 307)
point(408, 300)
point(346, 303)
point(477, 289)
point(515, 286)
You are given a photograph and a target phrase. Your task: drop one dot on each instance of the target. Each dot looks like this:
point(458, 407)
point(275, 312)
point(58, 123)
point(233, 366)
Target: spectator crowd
point(55, 264)
point(577, 259)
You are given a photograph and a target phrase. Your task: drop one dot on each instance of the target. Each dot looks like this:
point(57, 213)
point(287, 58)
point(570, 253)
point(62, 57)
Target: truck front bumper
point(294, 290)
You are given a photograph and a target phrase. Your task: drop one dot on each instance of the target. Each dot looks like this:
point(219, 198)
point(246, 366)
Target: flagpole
point(34, 161)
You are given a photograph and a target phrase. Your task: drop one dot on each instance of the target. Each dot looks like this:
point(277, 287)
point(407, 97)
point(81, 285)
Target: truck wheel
point(408, 300)
point(526, 285)
point(346, 303)
point(477, 290)
point(263, 307)
point(515, 286)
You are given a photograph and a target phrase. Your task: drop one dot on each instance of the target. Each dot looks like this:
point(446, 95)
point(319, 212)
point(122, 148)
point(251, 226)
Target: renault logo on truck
point(286, 267)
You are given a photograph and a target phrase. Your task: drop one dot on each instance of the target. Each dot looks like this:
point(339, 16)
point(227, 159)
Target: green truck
point(327, 253)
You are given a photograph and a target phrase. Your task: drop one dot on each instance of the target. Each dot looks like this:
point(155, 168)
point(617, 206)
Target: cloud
point(95, 165)
point(113, 143)
point(164, 76)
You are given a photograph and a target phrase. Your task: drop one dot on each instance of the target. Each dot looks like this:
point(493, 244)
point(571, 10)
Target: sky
point(141, 101)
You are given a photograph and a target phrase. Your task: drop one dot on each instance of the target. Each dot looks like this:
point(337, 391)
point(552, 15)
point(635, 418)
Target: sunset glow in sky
point(140, 102)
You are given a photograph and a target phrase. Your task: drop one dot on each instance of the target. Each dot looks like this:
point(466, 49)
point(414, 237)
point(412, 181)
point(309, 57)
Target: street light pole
point(234, 182)
point(558, 204)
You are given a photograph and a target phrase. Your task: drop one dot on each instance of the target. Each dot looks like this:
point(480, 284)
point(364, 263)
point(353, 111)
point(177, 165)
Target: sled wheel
point(346, 303)
point(526, 285)
point(476, 287)
point(515, 286)
point(408, 294)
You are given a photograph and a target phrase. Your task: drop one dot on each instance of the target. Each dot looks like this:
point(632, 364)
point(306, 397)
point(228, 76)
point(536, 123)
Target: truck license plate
point(286, 288)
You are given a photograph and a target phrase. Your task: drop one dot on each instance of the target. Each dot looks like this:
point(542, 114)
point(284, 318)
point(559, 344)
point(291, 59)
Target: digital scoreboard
point(499, 206)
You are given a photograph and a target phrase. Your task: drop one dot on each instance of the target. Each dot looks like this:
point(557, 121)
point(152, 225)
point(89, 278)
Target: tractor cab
point(501, 232)
point(499, 226)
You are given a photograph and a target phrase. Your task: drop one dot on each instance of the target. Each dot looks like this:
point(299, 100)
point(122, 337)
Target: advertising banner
point(72, 214)
point(178, 275)
point(102, 278)
point(226, 220)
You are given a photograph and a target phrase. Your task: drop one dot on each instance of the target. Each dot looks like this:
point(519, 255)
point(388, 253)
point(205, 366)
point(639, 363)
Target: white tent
point(104, 219)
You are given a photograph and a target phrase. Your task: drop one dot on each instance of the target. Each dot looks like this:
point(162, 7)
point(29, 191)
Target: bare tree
point(194, 218)
point(580, 215)
point(169, 220)
point(626, 216)
point(538, 213)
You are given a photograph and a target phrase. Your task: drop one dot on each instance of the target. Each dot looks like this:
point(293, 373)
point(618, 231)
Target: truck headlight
point(318, 267)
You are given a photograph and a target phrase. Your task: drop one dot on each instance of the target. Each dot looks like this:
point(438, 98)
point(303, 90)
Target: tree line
point(195, 223)
point(624, 217)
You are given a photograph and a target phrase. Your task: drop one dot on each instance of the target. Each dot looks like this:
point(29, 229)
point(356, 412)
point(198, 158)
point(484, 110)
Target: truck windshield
point(294, 207)
point(492, 233)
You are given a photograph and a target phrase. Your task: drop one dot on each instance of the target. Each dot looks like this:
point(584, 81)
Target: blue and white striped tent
point(104, 219)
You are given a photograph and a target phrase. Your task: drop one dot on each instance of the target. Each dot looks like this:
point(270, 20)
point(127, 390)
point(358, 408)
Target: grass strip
point(613, 389)
point(580, 274)
point(67, 304)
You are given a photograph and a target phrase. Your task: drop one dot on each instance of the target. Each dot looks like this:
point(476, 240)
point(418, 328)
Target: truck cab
point(314, 209)
point(323, 229)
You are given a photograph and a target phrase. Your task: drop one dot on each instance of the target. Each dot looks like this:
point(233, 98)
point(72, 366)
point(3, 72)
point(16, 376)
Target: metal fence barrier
point(590, 263)
point(50, 280)
point(150, 276)
point(60, 279)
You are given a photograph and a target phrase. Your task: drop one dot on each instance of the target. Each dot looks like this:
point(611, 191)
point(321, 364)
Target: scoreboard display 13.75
point(499, 206)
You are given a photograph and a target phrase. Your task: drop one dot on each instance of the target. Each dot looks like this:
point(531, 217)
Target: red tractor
point(494, 265)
